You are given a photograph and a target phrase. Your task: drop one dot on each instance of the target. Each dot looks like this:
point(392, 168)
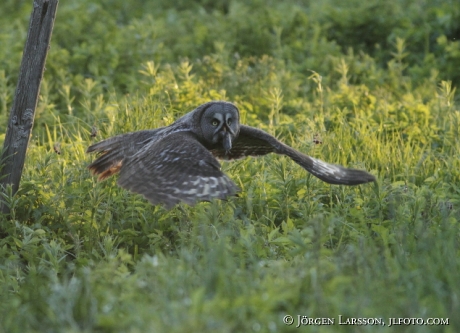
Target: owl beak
point(228, 135)
point(227, 141)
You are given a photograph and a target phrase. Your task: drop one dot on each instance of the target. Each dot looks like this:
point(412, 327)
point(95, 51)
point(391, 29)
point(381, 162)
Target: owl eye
point(215, 122)
point(229, 122)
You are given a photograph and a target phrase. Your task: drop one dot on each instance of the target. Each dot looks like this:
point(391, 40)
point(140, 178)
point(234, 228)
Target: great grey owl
point(178, 162)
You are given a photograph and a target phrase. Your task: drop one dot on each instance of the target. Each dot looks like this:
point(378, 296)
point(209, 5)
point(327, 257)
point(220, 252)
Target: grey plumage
point(178, 163)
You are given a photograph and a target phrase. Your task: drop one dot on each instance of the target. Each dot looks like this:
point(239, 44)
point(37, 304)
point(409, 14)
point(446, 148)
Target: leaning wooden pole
point(26, 96)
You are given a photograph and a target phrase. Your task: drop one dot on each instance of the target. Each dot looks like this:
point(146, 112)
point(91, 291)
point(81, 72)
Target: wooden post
point(26, 96)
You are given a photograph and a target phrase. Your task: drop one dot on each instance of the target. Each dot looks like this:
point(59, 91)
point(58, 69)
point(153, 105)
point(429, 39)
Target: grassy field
point(373, 81)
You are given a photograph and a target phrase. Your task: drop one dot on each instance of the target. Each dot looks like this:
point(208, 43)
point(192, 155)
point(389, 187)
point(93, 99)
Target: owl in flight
point(178, 163)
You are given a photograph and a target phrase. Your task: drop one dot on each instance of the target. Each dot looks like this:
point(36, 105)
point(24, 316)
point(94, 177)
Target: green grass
point(375, 82)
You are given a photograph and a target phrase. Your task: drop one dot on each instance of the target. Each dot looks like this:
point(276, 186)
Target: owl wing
point(173, 169)
point(112, 151)
point(255, 142)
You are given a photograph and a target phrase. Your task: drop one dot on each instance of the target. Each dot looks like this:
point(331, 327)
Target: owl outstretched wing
point(255, 142)
point(177, 168)
point(112, 151)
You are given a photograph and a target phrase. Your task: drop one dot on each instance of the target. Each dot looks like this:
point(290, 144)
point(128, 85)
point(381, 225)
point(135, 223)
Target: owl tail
point(113, 151)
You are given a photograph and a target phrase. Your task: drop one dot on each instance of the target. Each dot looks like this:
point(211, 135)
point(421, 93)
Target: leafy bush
point(368, 85)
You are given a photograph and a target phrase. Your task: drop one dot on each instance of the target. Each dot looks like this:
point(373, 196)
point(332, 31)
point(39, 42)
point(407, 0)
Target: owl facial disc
point(224, 131)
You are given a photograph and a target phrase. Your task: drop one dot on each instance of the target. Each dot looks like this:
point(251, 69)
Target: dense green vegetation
point(374, 81)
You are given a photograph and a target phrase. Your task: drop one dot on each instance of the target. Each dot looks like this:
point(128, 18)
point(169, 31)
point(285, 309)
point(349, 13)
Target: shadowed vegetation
point(366, 85)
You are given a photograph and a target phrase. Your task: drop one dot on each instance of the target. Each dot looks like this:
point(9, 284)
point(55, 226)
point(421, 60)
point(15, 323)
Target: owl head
point(220, 124)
